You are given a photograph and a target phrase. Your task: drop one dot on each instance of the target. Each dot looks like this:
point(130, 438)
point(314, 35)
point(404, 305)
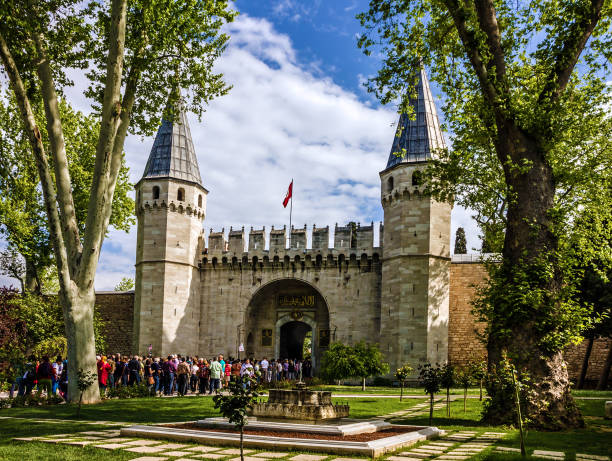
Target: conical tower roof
point(173, 154)
point(416, 140)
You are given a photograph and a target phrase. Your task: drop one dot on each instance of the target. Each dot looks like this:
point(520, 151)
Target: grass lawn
point(595, 439)
point(382, 390)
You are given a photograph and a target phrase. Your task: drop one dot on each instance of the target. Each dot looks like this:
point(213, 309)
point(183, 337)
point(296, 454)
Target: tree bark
point(529, 239)
point(585, 363)
point(32, 283)
point(363, 384)
point(431, 405)
point(605, 372)
point(241, 443)
point(78, 321)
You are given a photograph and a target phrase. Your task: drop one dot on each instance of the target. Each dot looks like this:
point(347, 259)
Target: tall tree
point(23, 222)
point(460, 243)
point(134, 54)
point(517, 77)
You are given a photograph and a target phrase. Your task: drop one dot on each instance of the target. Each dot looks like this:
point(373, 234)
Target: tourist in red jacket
point(103, 370)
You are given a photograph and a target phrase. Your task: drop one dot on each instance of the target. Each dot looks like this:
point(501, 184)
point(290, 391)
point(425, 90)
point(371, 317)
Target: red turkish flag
point(289, 194)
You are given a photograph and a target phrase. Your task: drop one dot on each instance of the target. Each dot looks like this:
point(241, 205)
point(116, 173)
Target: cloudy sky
point(298, 110)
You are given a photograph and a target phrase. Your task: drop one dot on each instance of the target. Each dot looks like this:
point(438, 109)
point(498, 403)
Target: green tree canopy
point(525, 97)
point(126, 284)
point(460, 242)
point(137, 57)
point(23, 221)
point(369, 361)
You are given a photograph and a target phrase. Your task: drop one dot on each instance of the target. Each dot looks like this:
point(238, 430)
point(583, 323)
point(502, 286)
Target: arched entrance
point(291, 339)
point(281, 315)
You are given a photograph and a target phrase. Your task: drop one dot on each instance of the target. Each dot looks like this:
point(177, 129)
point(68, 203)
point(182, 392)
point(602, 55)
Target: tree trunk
point(529, 257)
point(448, 402)
point(585, 363)
point(401, 390)
point(464, 399)
point(481, 379)
point(605, 372)
point(31, 278)
point(241, 443)
point(431, 405)
point(78, 320)
point(363, 384)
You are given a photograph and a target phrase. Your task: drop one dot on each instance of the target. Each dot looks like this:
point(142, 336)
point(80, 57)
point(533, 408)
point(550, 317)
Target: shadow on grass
point(145, 410)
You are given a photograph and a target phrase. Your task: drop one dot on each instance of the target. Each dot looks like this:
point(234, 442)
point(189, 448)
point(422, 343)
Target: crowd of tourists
point(163, 376)
point(183, 375)
point(42, 375)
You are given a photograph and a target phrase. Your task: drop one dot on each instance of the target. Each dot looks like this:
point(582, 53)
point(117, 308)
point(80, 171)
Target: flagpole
point(290, 212)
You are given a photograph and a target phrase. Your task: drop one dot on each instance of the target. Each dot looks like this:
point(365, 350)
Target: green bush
point(130, 392)
point(30, 400)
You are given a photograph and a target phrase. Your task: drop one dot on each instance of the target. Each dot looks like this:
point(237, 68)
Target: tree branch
point(35, 139)
point(127, 105)
point(570, 51)
point(67, 216)
point(470, 45)
point(487, 18)
point(99, 202)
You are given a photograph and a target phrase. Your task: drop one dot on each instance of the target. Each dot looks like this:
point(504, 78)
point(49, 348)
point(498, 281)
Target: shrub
point(429, 378)
point(130, 392)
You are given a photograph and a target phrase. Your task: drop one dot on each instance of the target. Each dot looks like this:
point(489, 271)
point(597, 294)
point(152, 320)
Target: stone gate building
point(407, 294)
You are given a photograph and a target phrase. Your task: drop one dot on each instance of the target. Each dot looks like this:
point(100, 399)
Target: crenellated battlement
point(353, 245)
point(189, 209)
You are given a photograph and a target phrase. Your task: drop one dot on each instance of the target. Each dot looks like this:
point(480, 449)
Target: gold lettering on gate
point(296, 301)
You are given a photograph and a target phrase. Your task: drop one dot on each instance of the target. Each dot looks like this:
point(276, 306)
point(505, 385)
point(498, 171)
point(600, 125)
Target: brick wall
point(574, 355)
point(464, 345)
point(117, 311)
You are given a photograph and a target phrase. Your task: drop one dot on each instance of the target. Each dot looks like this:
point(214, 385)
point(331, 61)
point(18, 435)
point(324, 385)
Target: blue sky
point(323, 33)
point(297, 110)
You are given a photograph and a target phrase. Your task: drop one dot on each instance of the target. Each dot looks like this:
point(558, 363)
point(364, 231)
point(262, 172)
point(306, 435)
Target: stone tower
point(170, 208)
point(416, 243)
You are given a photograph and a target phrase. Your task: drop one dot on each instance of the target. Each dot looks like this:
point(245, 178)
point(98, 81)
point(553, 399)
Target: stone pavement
point(455, 446)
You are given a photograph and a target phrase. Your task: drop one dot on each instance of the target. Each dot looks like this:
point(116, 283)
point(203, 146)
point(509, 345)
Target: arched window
point(416, 178)
point(181, 195)
point(390, 184)
point(200, 201)
point(155, 192)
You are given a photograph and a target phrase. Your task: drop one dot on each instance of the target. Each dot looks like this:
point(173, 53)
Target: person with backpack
point(118, 370)
point(134, 371)
point(182, 373)
point(156, 372)
point(203, 377)
point(44, 374)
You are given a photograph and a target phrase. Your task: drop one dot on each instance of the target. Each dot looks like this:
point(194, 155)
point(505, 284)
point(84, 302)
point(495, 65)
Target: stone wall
point(117, 311)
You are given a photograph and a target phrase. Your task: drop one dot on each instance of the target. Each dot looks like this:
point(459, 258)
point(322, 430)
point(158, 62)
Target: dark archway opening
point(292, 336)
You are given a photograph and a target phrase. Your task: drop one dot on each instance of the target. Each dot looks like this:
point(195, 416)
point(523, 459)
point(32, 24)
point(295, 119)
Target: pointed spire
point(416, 140)
point(173, 154)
